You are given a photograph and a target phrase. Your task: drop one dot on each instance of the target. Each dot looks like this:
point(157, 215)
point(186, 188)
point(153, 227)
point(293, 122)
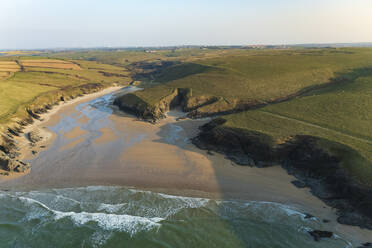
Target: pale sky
point(30, 24)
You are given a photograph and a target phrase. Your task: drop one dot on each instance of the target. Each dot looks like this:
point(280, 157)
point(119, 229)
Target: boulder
point(210, 152)
point(309, 216)
point(299, 184)
point(317, 234)
point(366, 245)
point(10, 164)
point(6, 162)
point(22, 167)
point(34, 136)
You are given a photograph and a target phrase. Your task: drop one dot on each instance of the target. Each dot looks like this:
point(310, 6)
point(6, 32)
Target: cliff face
point(135, 105)
point(152, 112)
point(244, 148)
point(8, 148)
point(306, 157)
point(195, 106)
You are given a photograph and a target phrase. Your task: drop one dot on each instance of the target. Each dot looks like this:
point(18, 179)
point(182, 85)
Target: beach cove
point(89, 143)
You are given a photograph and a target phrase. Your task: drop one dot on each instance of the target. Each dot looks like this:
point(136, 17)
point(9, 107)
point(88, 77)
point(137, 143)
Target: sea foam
point(124, 223)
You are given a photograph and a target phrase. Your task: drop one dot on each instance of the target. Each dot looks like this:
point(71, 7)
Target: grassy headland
point(236, 81)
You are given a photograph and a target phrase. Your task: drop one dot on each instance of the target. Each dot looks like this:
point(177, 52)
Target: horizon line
point(343, 44)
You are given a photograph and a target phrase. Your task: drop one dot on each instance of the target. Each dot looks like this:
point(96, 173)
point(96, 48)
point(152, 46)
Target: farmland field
point(29, 81)
point(9, 66)
point(49, 63)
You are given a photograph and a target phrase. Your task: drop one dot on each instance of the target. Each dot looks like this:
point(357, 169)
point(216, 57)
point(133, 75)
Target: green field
point(126, 57)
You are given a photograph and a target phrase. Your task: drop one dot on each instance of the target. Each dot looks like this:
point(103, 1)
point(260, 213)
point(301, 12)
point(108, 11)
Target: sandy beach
point(88, 142)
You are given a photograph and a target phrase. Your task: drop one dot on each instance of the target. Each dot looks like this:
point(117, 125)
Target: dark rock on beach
point(309, 216)
point(366, 245)
point(34, 136)
point(10, 164)
point(22, 167)
point(299, 184)
point(318, 235)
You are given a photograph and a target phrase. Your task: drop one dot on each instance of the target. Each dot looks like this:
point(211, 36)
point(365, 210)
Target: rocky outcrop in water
point(318, 235)
point(366, 245)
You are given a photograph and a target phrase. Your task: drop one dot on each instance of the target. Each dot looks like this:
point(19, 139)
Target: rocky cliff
point(307, 158)
point(152, 112)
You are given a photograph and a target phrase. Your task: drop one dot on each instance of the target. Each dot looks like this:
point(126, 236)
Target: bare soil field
point(8, 66)
point(48, 63)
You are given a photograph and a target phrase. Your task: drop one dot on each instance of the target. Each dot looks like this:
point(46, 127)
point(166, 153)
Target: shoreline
point(213, 176)
point(24, 144)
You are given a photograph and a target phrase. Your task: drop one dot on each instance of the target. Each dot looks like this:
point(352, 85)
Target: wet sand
point(50, 118)
point(92, 143)
point(29, 150)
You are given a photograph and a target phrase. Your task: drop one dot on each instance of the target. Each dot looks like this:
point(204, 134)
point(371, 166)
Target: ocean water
point(102, 216)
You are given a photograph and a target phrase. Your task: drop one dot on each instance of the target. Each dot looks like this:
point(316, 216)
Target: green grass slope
point(254, 77)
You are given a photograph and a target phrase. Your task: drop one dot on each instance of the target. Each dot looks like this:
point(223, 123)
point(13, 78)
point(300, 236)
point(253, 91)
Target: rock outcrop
point(34, 136)
point(306, 157)
point(11, 164)
point(366, 245)
point(133, 104)
point(318, 235)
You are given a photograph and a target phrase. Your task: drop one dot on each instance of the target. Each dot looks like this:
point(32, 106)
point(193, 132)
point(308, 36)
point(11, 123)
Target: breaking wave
point(101, 216)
